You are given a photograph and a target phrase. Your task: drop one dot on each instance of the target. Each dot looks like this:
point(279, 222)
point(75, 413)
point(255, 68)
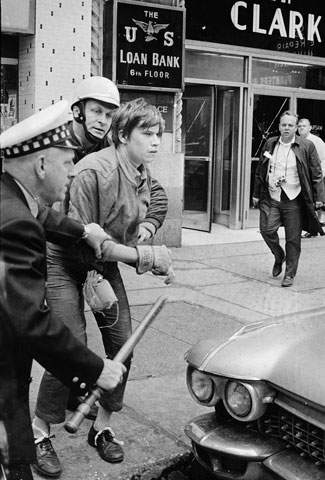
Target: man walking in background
point(288, 187)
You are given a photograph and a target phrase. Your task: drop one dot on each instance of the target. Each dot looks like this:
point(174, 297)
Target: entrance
point(314, 110)
point(210, 123)
point(197, 131)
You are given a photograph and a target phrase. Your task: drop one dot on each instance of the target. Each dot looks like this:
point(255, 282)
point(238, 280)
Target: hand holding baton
point(125, 351)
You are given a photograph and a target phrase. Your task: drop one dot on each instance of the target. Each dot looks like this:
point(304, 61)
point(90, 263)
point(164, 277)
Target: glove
point(98, 292)
point(156, 259)
point(146, 231)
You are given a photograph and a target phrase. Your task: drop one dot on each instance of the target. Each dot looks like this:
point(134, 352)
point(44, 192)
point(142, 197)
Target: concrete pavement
point(219, 288)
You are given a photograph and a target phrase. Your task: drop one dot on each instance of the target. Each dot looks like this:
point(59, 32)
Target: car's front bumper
point(230, 450)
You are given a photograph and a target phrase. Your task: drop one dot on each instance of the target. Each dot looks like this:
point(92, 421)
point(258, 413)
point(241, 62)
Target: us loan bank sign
point(147, 45)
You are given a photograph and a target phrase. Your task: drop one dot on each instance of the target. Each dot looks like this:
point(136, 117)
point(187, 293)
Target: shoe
point(277, 267)
point(47, 461)
point(109, 448)
point(287, 281)
point(74, 402)
point(308, 235)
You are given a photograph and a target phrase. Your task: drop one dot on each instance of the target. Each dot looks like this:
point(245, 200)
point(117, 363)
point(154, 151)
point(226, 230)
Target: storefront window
point(285, 74)
point(9, 90)
point(212, 66)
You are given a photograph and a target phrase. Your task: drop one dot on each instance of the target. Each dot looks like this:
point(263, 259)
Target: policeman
point(38, 165)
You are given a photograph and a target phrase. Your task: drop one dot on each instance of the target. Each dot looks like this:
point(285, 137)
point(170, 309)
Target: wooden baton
point(125, 351)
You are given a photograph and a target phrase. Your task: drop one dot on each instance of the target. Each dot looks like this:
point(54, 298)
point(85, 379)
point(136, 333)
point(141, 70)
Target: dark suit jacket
point(32, 332)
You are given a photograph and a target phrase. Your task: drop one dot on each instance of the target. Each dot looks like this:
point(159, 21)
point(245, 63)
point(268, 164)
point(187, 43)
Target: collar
point(136, 175)
point(31, 201)
point(286, 144)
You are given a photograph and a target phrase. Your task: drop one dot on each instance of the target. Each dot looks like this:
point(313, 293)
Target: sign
point(18, 16)
point(163, 101)
point(149, 45)
point(293, 26)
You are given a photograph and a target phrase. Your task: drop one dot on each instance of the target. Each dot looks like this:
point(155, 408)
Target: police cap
point(45, 129)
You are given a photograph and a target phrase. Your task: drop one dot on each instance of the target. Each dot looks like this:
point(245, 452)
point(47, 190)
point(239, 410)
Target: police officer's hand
point(95, 236)
point(4, 447)
point(318, 205)
point(112, 375)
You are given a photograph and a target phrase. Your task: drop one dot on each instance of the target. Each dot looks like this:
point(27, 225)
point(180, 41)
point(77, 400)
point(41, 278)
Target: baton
point(125, 351)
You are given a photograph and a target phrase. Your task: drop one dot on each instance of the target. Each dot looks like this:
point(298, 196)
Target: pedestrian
point(112, 186)
point(94, 101)
point(38, 164)
point(304, 130)
point(288, 183)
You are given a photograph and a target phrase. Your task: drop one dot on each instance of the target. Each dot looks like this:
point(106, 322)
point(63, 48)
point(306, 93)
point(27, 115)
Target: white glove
point(146, 231)
point(156, 259)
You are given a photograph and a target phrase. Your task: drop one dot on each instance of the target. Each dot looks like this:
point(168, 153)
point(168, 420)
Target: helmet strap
point(81, 119)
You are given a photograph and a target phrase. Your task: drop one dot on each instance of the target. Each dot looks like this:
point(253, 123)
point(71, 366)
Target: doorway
point(314, 110)
point(210, 131)
point(197, 133)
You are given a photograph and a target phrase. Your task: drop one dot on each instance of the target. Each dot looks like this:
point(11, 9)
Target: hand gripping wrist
point(86, 232)
point(146, 258)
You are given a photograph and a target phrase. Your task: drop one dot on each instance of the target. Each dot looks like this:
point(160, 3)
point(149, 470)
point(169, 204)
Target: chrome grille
point(302, 435)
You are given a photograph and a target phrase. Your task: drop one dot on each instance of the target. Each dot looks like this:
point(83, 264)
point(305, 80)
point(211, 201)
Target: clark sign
point(149, 45)
point(295, 26)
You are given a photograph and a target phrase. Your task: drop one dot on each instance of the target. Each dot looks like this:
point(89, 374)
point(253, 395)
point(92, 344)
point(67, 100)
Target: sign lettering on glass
point(149, 45)
point(294, 26)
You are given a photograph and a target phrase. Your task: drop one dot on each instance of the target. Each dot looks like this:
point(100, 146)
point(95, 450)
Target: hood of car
point(289, 353)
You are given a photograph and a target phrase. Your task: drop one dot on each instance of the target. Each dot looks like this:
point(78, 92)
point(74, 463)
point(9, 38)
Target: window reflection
point(285, 74)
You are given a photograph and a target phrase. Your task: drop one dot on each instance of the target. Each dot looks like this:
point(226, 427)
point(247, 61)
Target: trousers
point(288, 213)
point(65, 297)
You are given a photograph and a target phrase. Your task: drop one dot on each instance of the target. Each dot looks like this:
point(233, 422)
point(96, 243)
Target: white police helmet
point(97, 88)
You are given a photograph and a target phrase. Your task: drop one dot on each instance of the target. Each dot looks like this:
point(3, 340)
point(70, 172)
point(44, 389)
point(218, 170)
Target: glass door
point(314, 110)
point(266, 111)
point(197, 127)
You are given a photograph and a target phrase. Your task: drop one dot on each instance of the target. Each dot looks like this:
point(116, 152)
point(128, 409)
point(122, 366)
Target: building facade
point(221, 86)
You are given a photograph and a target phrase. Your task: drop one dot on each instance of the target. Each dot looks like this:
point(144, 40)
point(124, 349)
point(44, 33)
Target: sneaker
point(47, 461)
point(109, 448)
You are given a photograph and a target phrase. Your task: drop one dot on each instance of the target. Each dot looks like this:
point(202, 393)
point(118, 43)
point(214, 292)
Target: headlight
point(201, 386)
point(238, 399)
point(247, 401)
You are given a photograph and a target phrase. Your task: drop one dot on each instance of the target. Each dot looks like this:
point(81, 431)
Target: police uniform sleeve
point(50, 342)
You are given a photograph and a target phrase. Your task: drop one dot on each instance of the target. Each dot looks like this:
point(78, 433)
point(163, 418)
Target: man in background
point(304, 130)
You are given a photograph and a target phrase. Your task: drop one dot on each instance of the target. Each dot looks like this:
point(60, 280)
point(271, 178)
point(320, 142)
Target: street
point(218, 289)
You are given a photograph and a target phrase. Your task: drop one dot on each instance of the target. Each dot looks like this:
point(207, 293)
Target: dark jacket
point(31, 331)
point(158, 207)
point(310, 177)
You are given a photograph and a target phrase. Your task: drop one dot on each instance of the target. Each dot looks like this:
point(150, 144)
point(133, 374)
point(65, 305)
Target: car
point(265, 389)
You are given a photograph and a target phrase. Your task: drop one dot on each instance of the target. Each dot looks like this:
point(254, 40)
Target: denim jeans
point(66, 276)
point(289, 214)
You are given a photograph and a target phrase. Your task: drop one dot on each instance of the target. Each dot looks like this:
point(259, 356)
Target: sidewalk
point(219, 288)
